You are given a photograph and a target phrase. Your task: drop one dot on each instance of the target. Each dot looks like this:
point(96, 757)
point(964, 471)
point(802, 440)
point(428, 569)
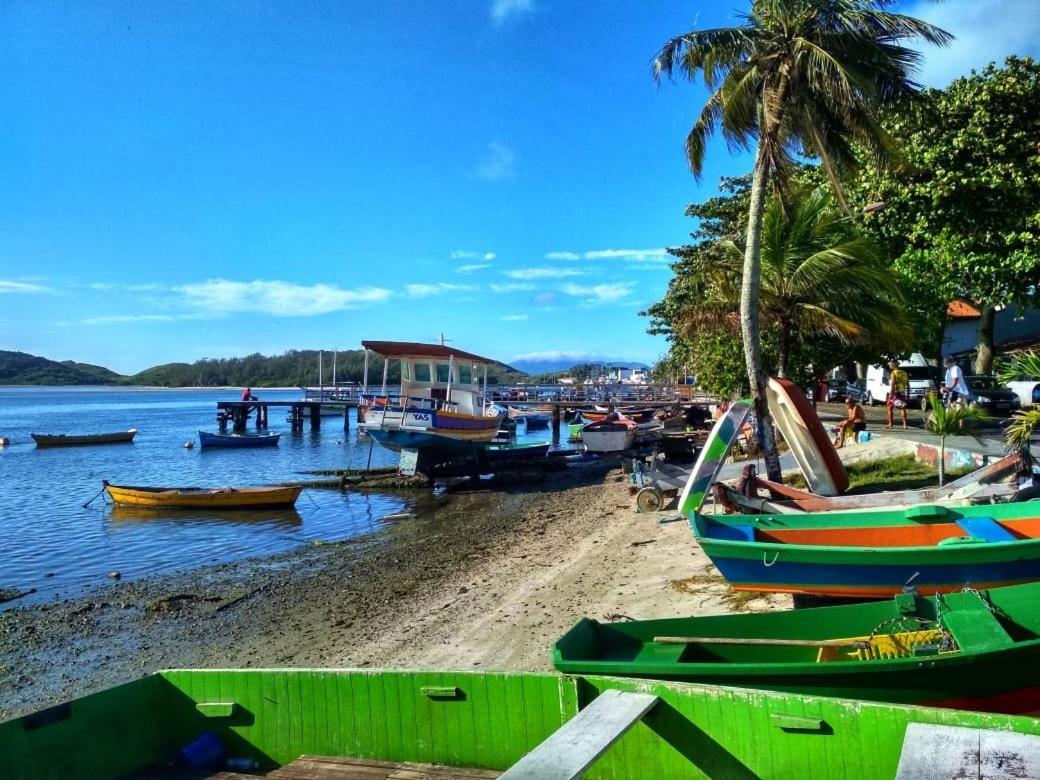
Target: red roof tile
point(961, 310)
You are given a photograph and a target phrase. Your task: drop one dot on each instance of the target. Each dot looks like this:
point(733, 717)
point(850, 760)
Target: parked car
point(857, 391)
point(922, 382)
point(993, 397)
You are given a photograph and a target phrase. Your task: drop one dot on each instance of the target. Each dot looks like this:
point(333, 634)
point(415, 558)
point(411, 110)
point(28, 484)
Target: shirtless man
point(855, 423)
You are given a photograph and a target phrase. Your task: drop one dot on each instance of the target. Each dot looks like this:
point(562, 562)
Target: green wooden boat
point(489, 721)
point(969, 650)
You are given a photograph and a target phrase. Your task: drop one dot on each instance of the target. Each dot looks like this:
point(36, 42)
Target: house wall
point(962, 334)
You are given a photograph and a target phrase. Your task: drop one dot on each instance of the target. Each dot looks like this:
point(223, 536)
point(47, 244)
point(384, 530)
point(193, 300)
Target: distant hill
point(291, 369)
point(20, 368)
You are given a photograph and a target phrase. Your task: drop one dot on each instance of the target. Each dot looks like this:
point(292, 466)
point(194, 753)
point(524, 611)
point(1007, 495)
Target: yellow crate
point(881, 646)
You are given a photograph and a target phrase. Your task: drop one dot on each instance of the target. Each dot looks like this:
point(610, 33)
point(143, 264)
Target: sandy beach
point(478, 579)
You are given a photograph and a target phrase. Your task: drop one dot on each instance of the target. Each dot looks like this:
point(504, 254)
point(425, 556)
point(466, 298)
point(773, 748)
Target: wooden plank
point(345, 768)
point(576, 745)
point(931, 751)
point(723, 640)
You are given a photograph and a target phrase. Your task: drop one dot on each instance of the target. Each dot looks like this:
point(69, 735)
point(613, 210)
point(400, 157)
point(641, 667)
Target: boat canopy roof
point(414, 349)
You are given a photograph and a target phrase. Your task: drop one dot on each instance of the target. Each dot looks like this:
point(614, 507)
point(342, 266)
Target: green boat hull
point(466, 719)
point(996, 666)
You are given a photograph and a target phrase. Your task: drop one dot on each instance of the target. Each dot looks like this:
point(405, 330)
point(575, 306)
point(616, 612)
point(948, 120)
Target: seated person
point(854, 423)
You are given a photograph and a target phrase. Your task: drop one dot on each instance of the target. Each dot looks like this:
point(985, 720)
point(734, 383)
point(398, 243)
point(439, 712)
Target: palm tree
point(797, 74)
point(949, 422)
point(819, 277)
point(1020, 429)
point(1025, 365)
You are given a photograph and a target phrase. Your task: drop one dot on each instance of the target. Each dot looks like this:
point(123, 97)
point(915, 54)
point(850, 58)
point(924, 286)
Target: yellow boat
point(203, 498)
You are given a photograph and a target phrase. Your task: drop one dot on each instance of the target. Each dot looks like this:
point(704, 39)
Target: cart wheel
point(649, 499)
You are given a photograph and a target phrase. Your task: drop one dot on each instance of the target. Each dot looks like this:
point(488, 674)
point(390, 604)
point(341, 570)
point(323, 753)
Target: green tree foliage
point(826, 296)
point(962, 216)
point(950, 421)
point(796, 74)
point(20, 368)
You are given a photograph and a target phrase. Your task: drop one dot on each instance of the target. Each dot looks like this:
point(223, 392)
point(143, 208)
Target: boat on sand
point(436, 724)
point(972, 649)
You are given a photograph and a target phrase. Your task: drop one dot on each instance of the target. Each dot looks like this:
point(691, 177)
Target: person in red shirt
point(247, 395)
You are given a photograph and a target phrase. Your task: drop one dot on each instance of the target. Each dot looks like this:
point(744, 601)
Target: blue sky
point(214, 179)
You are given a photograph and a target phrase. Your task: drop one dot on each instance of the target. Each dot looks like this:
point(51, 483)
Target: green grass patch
point(903, 472)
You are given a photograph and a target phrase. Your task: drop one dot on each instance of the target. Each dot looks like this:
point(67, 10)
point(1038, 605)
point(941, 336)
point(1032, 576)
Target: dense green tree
point(796, 74)
point(962, 217)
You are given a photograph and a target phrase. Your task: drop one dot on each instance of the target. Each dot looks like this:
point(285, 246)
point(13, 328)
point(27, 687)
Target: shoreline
point(482, 580)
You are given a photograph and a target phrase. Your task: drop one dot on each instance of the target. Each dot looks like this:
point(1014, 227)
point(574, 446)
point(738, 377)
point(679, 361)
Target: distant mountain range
point(19, 368)
point(565, 364)
point(292, 369)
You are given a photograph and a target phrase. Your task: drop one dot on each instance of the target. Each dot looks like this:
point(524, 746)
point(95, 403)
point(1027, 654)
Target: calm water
point(50, 542)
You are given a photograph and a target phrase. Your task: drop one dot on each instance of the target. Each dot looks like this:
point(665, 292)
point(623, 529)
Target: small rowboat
point(805, 435)
point(238, 439)
point(970, 649)
point(203, 498)
point(78, 440)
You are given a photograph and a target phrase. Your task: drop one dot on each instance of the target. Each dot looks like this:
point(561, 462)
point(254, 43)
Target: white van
point(920, 374)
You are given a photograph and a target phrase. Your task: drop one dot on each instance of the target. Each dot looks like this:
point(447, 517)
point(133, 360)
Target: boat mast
point(451, 370)
point(321, 382)
point(364, 376)
point(335, 354)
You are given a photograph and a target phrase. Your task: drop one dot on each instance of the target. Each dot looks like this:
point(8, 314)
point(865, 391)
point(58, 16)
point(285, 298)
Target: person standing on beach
point(955, 383)
point(898, 389)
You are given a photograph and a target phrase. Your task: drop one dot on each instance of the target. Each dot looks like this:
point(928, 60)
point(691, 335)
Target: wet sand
point(478, 580)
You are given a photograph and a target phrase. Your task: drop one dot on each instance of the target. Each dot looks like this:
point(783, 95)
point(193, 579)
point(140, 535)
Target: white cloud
point(514, 318)
point(635, 255)
point(558, 354)
point(21, 287)
point(114, 319)
point(119, 287)
point(503, 9)
point(986, 31)
point(562, 256)
point(284, 299)
point(599, 293)
point(544, 273)
point(497, 164)
point(511, 287)
point(465, 254)
point(426, 290)
point(466, 269)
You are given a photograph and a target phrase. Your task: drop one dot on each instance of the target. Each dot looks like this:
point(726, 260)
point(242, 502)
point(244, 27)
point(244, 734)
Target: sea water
point(50, 542)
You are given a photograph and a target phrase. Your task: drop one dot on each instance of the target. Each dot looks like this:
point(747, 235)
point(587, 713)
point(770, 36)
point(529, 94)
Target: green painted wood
point(216, 709)
point(997, 654)
point(693, 731)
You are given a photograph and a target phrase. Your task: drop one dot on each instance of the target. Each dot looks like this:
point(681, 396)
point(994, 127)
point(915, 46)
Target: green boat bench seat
point(972, 625)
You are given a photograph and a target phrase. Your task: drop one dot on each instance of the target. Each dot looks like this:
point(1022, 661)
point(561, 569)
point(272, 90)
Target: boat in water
point(207, 439)
point(613, 433)
point(391, 723)
point(534, 419)
point(440, 411)
point(83, 439)
point(259, 497)
point(971, 649)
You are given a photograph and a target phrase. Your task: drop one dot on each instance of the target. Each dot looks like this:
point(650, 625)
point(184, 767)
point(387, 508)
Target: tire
point(1031, 493)
point(924, 404)
point(649, 499)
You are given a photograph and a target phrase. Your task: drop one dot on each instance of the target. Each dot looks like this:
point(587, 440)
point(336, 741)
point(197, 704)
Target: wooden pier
point(237, 413)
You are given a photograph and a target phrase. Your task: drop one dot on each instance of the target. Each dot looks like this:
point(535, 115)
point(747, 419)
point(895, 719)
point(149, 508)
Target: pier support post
point(315, 417)
point(556, 423)
point(241, 415)
point(296, 418)
point(346, 418)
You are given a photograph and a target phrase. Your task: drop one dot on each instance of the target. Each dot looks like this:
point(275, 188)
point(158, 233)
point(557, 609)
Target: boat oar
point(104, 484)
point(723, 640)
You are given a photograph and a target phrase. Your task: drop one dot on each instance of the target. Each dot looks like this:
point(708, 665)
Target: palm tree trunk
point(749, 293)
point(984, 358)
point(783, 346)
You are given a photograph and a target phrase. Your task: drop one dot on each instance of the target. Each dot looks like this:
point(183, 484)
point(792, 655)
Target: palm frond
point(953, 420)
point(1020, 430)
point(1025, 365)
